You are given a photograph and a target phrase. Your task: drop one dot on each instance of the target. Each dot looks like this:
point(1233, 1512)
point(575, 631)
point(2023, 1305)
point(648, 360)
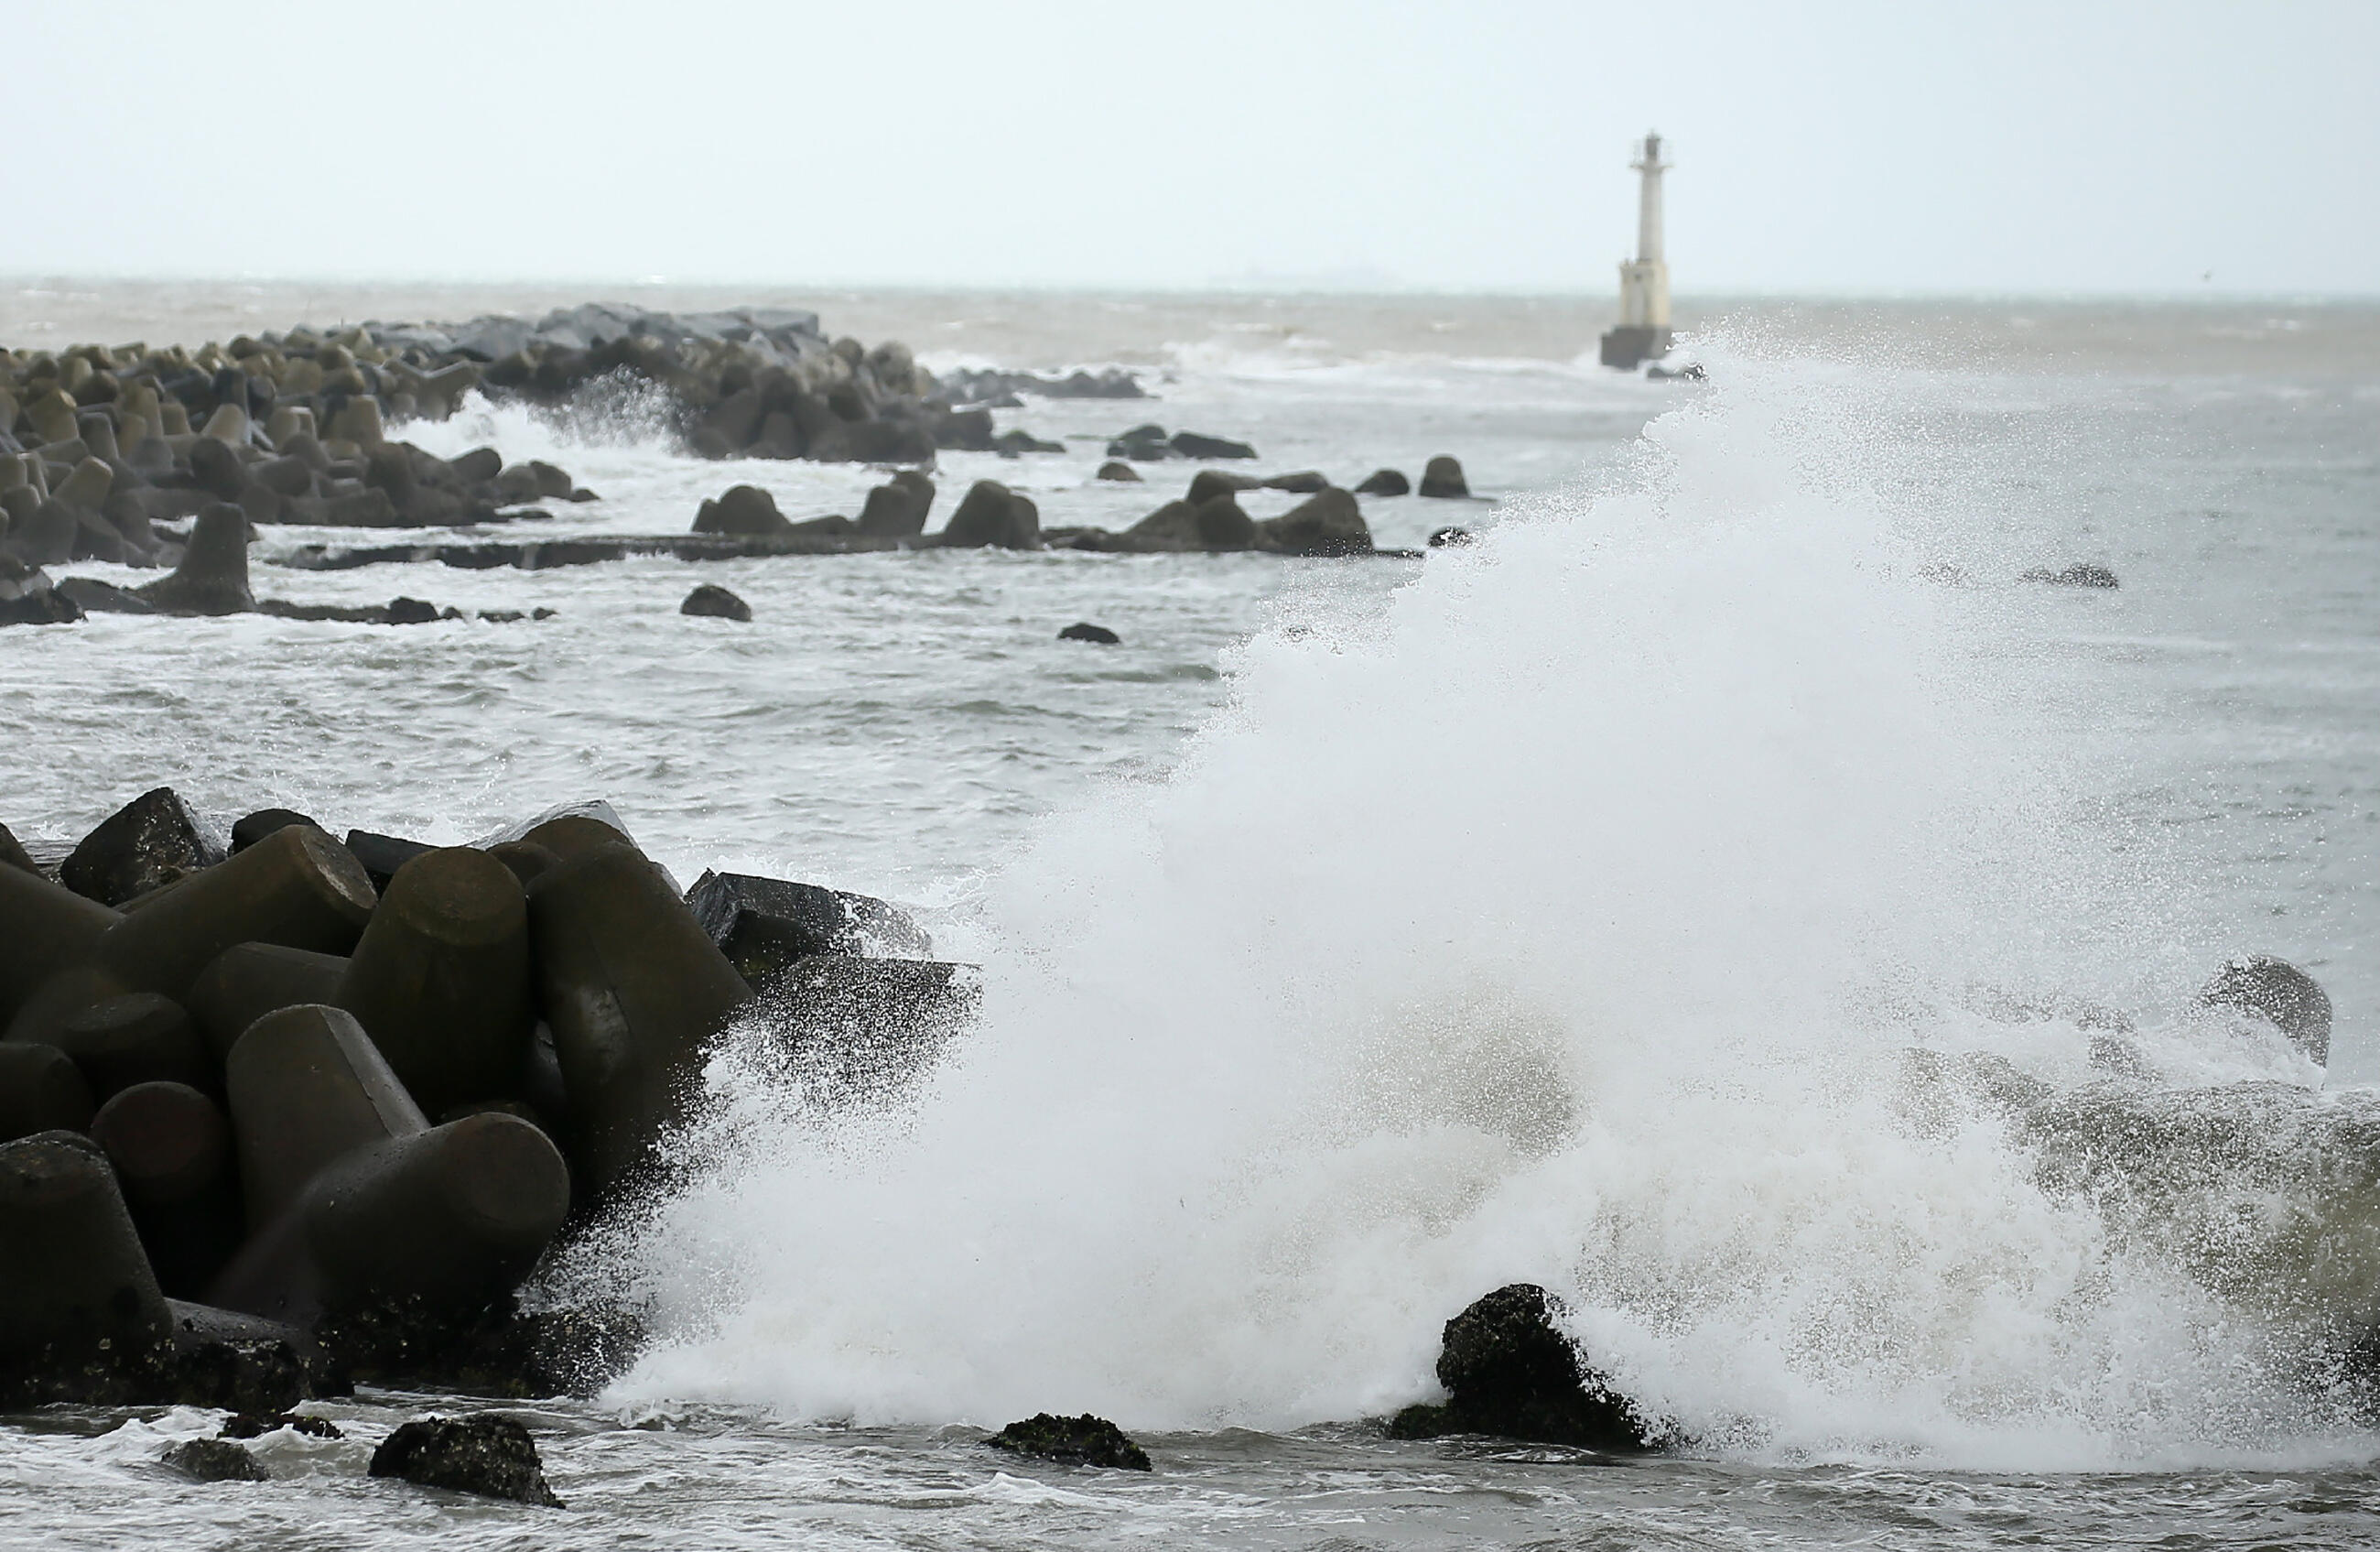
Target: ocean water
point(1360, 936)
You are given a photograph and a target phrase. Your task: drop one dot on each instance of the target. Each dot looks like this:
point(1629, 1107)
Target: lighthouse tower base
point(1631, 346)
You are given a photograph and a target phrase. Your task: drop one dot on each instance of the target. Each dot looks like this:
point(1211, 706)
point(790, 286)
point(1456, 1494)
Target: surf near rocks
point(272, 1129)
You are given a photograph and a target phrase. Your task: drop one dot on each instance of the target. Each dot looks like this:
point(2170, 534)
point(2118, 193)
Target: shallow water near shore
point(1361, 934)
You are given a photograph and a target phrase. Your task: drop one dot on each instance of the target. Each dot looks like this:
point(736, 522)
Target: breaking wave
point(1573, 918)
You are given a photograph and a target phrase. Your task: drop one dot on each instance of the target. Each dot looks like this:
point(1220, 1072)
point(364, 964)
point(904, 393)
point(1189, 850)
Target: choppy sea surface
point(1361, 934)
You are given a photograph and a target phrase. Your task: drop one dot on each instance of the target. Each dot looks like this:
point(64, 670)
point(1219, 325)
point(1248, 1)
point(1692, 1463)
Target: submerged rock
point(745, 509)
point(2278, 990)
point(256, 1425)
point(1510, 1371)
point(1385, 481)
point(216, 1460)
point(1083, 630)
point(488, 1455)
point(716, 603)
point(1442, 477)
point(1074, 1441)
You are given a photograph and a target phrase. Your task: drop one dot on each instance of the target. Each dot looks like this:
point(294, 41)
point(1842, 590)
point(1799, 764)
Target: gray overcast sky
point(1834, 147)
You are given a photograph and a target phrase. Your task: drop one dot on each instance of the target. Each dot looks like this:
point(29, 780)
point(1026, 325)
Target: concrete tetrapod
point(137, 1038)
point(76, 1290)
point(41, 1090)
point(441, 978)
point(307, 1087)
point(42, 926)
point(455, 1216)
point(357, 1198)
point(248, 980)
point(172, 1150)
point(634, 990)
point(213, 577)
point(296, 887)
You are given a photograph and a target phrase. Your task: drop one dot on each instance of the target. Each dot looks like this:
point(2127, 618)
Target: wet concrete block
point(44, 927)
point(77, 1296)
point(441, 978)
point(248, 980)
point(296, 887)
point(139, 1037)
point(171, 1146)
point(383, 855)
point(307, 1087)
point(635, 991)
point(41, 1090)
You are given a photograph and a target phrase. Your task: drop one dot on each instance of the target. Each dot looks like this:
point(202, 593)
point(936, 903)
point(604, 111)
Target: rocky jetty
point(1001, 390)
point(99, 445)
point(210, 577)
point(273, 1119)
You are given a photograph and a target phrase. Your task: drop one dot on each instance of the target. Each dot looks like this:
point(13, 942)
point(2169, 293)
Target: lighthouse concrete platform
point(1631, 346)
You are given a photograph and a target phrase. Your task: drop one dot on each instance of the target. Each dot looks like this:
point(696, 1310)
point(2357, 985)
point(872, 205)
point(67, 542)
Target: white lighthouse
point(1643, 331)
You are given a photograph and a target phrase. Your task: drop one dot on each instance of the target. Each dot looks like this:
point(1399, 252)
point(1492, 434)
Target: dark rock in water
point(383, 855)
point(1083, 630)
point(716, 603)
point(2082, 573)
point(1146, 444)
point(745, 509)
point(1118, 470)
point(992, 515)
point(44, 606)
point(1193, 444)
point(405, 1344)
point(412, 611)
point(898, 509)
point(1327, 524)
point(216, 1460)
point(213, 577)
point(41, 1090)
point(1305, 481)
point(249, 829)
point(256, 1425)
point(1511, 1372)
point(1209, 484)
point(2278, 990)
point(764, 926)
point(1073, 1441)
point(488, 1455)
point(95, 597)
point(1442, 477)
point(149, 843)
point(1012, 444)
point(1442, 538)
